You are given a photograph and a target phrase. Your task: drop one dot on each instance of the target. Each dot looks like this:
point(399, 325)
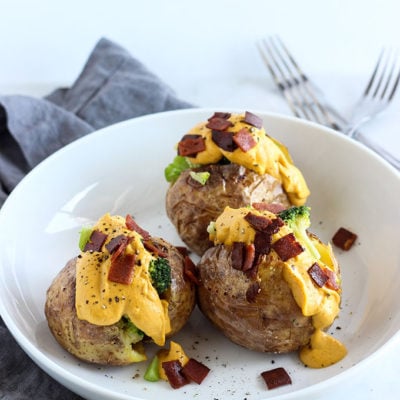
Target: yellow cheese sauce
point(268, 156)
point(320, 303)
point(102, 302)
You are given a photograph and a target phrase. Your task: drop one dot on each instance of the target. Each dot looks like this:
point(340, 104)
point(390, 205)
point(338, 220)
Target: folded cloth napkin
point(113, 86)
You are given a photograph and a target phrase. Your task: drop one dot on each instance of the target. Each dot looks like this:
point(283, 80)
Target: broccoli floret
point(132, 333)
point(298, 219)
point(160, 273)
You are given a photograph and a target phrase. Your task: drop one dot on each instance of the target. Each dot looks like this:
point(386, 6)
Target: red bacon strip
point(318, 275)
point(190, 145)
point(122, 269)
point(189, 270)
point(224, 140)
point(218, 124)
point(195, 371)
point(253, 119)
point(244, 140)
point(249, 257)
point(258, 222)
point(156, 250)
point(173, 371)
point(271, 207)
point(133, 226)
point(287, 247)
point(344, 239)
point(276, 377)
point(332, 282)
point(116, 242)
point(96, 241)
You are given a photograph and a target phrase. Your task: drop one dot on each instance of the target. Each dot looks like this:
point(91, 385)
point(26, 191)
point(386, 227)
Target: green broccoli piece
point(298, 219)
point(131, 332)
point(160, 273)
point(152, 374)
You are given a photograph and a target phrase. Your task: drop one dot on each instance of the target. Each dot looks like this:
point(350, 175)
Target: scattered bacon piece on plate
point(287, 247)
point(344, 239)
point(244, 140)
point(195, 371)
point(276, 377)
point(96, 241)
point(173, 371)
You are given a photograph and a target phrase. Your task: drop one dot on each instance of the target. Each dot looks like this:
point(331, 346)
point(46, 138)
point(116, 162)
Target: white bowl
point(120, 170)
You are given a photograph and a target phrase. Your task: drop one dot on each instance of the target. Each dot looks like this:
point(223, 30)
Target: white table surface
point(206, 51)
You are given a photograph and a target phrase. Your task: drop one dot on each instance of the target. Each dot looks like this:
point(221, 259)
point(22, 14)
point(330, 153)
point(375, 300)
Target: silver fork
point(306, 101)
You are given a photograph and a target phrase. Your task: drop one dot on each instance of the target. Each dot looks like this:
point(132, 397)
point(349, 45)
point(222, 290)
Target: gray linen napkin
point(112, 87)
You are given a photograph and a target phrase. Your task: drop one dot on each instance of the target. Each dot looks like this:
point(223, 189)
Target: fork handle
point(390, 158)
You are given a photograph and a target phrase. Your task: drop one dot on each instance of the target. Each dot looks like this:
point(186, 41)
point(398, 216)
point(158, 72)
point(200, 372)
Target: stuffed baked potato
point(267, 283)
point(228, 160)
point(97, 338)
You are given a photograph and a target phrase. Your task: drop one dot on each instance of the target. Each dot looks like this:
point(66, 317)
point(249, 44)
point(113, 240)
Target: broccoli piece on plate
point(160, 273)
point(298, 219)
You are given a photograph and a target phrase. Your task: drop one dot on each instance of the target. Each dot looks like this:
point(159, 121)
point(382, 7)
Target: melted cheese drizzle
point(268, 157)
point(102, 302)
point(322, 304)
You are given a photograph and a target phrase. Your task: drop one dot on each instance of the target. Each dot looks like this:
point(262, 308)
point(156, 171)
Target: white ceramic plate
point(120, 170)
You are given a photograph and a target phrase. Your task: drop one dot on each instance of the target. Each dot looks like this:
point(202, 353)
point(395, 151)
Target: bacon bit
point(258, 222)
point(253, 120)
point(153, 248)
point(249, 257)
point(244, 140)
point(96, 241)
point(237, 255)
point(318, 275)
point(133, 226)
point(224, 140)
point(219, 124)
point(173, 371)
point(252, 272)
point(252, 292)
point(332, 282)
point(195, 371)
point(183, 250)
point(276, 377)
point(115, 242)
point(344, 239)
point(223, 115)
point(275, 225)
point(287, 247)
point(189, 270)
point(262, 242)
point(190, 145)
point(122, 269)
point(271, 207)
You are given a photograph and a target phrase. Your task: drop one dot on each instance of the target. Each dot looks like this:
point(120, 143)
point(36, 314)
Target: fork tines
point(293, 83)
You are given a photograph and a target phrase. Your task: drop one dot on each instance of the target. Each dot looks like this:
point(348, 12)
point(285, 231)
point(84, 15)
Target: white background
point(205, 50)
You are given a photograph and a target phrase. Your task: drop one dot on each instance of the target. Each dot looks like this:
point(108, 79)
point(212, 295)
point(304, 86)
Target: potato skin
point(191, 206)
point(105, 344)
point(271, 322)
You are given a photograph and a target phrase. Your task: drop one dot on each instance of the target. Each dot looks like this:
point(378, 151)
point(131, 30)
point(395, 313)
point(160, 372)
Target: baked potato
point(228, 160)
point(121, 342)
point(262, 285)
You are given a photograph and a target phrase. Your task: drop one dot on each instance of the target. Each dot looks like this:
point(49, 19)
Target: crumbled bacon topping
point(253, 120)
point(344, 239)
point(332, 282)
point(259, 222)
point(122, 264)
point(276, 377)
point(133, 226)
point(271, 207)
point(318, 275)
point(219, 124)
point(244, 140)
point(173, 370)
point(155, 249)
point(195, 371)
point(287, 247)
point(224, 140)
point(191, 145)
point(115, 243)
point(96, 241)
point(189, 270)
